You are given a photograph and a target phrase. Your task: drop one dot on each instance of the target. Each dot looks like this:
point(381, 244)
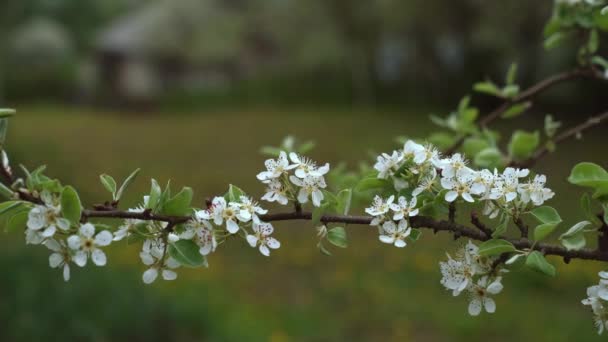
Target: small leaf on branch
point(71, 208)
point(186, 252)
point(126, 184)
point(537, 262)
point(495, 247)
point(337, 237)
point(109, 183)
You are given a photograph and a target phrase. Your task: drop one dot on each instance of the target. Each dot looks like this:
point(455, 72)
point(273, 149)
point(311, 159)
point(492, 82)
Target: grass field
point(366, 292)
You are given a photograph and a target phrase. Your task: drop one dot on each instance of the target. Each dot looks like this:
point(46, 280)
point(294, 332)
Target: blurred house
point(178, 45)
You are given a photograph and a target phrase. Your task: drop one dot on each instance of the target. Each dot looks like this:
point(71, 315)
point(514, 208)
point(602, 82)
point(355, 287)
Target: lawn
point(367, 292)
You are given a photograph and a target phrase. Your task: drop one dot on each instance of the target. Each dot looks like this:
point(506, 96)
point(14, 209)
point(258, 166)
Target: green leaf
point(155, 193)
point(472, 146)
point(186, 252)
point(126, 184)
point(7, 113)
point(415, 234)
point(516, 110)
point(234, 193)
point(489, 158)
point(337, 237)
point(3, 131)
point(543, 230)
point(179, 205)
point(495, 247)
point(510, 91)
point(511, 74)
point(6, 192)
point(345, 198)
point(322, 249)
point(502, 226)
point(487, 87)
point(372, 183)
point(574, 242)
point(588, 175)
point(523, 144)
point(594, 42)
point(109, 183)
point(9, 206)
point(442, 140)
point(17, 222)
point(538, 263)
point(71, 208)
point(576, 229)
point(549, 219)
point(554, 40)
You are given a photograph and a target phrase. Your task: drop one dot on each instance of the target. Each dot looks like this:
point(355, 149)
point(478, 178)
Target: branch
point(422, 222)
point(526, 95)
point(568, 134)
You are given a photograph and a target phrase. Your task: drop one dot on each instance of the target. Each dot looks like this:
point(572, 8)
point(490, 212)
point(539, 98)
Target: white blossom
point(276, 192)
point(249, 210)
point(153, 251)
point(454, 166)
point(86, 244)
point(480, 295)
point(461, 186)
point(261, 237)
point(394, 234)
point(386, 164)
point(201, 231)
point(403, 208)
point(60, 257)
point(43, 221)
point(379, 206)
point(310, 187)
point(305, 167)
point(225, 212)
point(535, 191)
point(275, 168)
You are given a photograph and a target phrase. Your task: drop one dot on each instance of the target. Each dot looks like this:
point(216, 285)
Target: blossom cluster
point(294, 178)
point(597, 299)
point(474, 274)
point(67, 243)
point(421, 169)
point(207, 229)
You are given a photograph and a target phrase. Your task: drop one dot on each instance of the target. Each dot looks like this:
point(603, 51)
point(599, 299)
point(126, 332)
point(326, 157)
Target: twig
point(568, 134)
point(527, 95)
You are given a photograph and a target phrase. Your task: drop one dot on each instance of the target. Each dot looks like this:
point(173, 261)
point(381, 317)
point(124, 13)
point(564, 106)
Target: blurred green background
point(190, 90)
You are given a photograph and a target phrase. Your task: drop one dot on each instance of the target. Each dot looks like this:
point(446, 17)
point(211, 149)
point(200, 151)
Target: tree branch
point(568, 134)
point(526, 95)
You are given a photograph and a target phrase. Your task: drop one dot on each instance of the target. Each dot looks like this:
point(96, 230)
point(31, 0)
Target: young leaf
point(6, 192)
point(590, 175)
point(186, 252)
point(234, 193)
point(487, 87)
point(126, 184)
point(17, 222)
point(489, 158)
point(523, 144)
point(537, 262)
point(546, 214)
point(372, 183)
point(516, 110)
point(344, 200)
point(6, 113)
point(495, 247)
point(576, 229)
point(70, 205)
point(109, 183)
point(337, 237)
point(155, 193)
point(511, 74)
point(179, 205)
point(574, 242)
point(543, 230)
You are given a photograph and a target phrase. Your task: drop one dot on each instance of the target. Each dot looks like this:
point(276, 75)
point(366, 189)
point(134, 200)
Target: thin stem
point(568, 134)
